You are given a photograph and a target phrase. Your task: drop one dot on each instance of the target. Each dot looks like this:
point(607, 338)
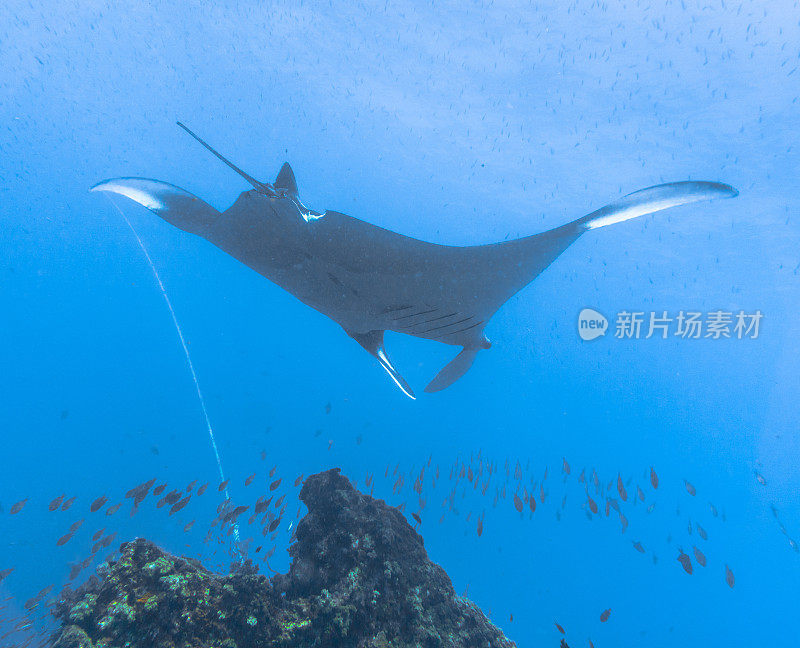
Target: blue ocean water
point(458, 123)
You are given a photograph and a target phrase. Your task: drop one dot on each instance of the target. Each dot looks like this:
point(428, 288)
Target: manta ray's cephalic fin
point(263, 187)
point(453, 370)
point(175, 205)
point(373, 343)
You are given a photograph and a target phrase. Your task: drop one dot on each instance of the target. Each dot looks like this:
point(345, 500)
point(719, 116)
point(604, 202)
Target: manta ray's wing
point(175, 205)
point(449, 293)
point(491, 274)
point(422, 282)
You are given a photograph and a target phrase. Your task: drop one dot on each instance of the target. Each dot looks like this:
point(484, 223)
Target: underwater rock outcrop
point(359, 578)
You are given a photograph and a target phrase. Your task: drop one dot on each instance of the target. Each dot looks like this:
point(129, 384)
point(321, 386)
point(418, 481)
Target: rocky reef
point(359, 578)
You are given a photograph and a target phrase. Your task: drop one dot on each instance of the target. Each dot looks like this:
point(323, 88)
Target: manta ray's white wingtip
point(140, 190)
point(654, 199)
point(173, 204)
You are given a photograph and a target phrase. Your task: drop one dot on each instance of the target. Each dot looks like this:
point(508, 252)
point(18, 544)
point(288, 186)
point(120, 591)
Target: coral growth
point(359, 578)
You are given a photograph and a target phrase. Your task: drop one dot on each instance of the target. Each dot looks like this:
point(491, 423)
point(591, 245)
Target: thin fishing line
point(186, 353)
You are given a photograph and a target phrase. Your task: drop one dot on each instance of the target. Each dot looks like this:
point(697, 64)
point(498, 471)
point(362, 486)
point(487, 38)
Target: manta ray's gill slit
point(466, 328)
point(397, 319)
point(188, 357)
point(433, 319)
point(436, 328)
point(394, 309)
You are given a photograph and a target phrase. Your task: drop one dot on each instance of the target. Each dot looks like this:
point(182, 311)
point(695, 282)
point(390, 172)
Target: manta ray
point(371, 280)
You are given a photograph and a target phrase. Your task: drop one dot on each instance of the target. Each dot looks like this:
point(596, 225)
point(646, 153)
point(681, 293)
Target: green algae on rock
point(359, 578)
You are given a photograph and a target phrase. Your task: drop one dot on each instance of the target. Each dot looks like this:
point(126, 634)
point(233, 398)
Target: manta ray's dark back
point(370, 279)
